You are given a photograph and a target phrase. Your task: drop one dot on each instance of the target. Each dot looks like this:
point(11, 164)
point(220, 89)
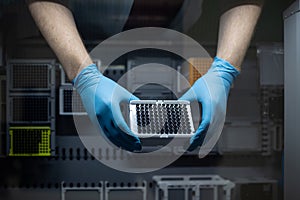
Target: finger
point(118, 136)
point(129, 138)
point(122, 136)
point(107, 129)
point(112, 139)
point(198, 137)
point(117, 116)
point(113, 133)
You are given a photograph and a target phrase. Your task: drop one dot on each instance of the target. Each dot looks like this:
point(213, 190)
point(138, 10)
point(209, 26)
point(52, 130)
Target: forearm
point(57, 25)
point(235, 32)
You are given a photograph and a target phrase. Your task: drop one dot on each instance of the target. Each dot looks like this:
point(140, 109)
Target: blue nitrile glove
point(211, 90)
point(101, 98)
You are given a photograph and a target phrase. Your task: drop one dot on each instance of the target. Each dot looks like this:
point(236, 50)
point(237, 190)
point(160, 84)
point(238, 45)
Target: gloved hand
point(211, 90)
point(101, 98)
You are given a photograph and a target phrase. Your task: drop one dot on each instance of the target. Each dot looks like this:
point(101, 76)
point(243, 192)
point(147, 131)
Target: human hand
point(101, 98)
point(211, 90)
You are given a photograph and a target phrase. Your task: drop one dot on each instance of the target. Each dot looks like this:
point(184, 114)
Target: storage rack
point(30, 107)
point(271, 70)
point(2, 114)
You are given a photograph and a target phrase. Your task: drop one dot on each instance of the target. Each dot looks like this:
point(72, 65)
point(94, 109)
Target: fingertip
point(193, 144)
point(138, 146)
point(198, 138)
point(133, 141)
point(133, 97)
point(137, 143)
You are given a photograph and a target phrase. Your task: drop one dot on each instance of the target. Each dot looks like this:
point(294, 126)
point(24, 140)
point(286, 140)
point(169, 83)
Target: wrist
point(232, 59)
point(86, 73)
point(225, 66)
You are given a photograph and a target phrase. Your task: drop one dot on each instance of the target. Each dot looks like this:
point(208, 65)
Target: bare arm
point(57, 25)
point(235, 32)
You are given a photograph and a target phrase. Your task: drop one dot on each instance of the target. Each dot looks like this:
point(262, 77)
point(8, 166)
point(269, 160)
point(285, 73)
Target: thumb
point(133, 97)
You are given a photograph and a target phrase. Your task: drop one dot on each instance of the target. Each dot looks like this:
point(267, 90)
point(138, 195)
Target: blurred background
point(41, 155)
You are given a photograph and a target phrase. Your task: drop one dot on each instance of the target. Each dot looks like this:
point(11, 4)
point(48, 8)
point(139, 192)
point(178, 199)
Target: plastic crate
point(198, 67)
point(29, 141)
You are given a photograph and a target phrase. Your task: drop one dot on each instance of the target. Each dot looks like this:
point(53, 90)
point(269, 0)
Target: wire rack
point(28, 109)
point(70, 102)
point(198, 67)
point(29, 141)
point(30, 76)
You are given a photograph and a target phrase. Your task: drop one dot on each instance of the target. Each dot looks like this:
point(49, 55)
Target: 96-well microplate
point(157, 118)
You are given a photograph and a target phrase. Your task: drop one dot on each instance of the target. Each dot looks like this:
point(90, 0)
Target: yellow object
point(30, 141)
